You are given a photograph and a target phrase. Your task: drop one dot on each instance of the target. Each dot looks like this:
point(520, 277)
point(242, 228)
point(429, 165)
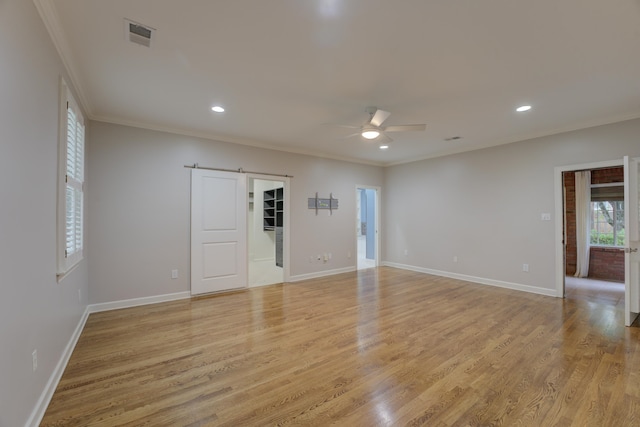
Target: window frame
point(70, 179)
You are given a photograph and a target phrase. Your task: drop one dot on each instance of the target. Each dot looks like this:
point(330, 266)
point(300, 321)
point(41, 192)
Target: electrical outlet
point(545, 217)
point(349, 254)
point(525, 268)
point(330, 256)
point(406, 251)
point(34, 359)
point(174, 274)
point(80, 296)
point(455, 258)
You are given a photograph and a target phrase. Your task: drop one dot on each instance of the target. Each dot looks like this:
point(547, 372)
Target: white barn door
point(218, 231)
point(632, 240)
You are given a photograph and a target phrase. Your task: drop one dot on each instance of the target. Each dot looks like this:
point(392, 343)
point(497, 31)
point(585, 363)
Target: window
point(71, 187)
point(607, 215)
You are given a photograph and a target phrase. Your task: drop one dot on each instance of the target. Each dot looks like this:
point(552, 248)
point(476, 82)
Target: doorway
point(266, 231)
point(367, 220)
point(630, 234)
point(593, 233)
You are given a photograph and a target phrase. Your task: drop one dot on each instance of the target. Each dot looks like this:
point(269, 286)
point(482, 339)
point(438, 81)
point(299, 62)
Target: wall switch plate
point(80, 296)
point(545, 217)
point(455, 258)
point(174, 274)
point(34, 359)
point(525, 268)
point(406, 251)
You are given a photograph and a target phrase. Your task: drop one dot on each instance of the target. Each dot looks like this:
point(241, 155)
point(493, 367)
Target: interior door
point(632, 240)
point(218, 231)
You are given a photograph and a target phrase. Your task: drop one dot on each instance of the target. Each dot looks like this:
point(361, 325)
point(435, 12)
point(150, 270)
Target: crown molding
point(229, 139)
point(527, 137)
point(49, 15)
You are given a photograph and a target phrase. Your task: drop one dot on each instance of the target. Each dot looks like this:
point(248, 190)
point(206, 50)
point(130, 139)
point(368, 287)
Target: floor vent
point(138, 33)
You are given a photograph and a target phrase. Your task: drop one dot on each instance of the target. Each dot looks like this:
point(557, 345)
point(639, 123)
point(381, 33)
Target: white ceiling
point(284, 69)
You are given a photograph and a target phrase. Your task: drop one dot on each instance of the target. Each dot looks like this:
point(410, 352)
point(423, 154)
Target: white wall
point(139, 207)
point(484, 206)
point(36, 312)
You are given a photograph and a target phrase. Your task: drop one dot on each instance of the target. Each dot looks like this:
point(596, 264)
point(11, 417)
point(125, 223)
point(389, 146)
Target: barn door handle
point(630, 250)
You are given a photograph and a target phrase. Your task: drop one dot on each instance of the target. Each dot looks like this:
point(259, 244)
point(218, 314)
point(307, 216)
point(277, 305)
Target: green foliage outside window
point(607, 223)
point(607, 239)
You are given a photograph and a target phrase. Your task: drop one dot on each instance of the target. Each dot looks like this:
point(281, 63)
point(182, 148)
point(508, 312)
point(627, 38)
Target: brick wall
point(604, 263)
point(570, 226)
point(608, 175)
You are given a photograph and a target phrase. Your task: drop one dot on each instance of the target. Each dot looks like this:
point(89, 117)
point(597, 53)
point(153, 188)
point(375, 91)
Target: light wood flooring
point(597, 291)
point(379, 347)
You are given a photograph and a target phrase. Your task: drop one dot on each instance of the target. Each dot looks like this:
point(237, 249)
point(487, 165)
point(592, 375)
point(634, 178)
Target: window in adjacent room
point(71, 185)
point(607, 215)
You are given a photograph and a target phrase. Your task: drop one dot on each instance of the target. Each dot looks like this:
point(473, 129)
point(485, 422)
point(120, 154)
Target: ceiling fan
point(373, 128)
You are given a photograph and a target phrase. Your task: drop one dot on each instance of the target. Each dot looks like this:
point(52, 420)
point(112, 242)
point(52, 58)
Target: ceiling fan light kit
point(370, 133)
point(373, 128)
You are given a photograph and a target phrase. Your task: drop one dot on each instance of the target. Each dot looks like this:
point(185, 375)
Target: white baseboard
point(135, 302)
point(319, 274)
point(479, 280)
point(45, 398)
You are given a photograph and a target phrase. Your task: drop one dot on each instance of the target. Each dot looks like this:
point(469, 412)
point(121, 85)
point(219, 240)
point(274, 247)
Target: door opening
point(266, 229)
point(594, 234)
point(367, 227)
point(611, 226)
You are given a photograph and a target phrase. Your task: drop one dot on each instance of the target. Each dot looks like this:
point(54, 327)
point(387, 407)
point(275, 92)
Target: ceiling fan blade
point(379, 117)
point(348, 136)
point(386, 138)
point(339, 125)
point(405, 128)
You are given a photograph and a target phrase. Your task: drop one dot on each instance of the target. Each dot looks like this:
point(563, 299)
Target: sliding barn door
point(632, 240)
point(218, 231)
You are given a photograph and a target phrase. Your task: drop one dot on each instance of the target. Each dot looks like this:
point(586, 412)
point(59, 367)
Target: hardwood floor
point(598, 291)
point(377, 347)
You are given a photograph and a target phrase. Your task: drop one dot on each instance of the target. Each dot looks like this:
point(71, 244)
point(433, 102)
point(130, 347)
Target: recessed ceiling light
point(370, 134)
point(384, 147)
point(217, 109)
point(523, 108)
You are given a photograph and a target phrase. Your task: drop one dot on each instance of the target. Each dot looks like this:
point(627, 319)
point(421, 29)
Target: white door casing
point(632, 240)
point(218, 231)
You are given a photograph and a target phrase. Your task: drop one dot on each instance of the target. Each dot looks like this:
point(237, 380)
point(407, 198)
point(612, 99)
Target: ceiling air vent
point(138, 33)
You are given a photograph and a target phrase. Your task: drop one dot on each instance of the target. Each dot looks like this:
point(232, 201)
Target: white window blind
point(72, 161)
